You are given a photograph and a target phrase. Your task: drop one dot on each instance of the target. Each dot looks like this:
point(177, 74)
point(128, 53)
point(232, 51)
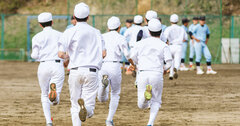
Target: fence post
point(68, 12)
point(232, 26)
point(28, 39)
point(2, 36)
point(136, 2)
point(93, 20)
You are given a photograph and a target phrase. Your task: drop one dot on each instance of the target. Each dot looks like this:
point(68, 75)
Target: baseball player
point(86, 50)
point(50, 70)
point(129, 23)
point(73, 22)
point(201, 35)
point(175, 35)
point(110, 73)
point(184, 45)
point(192, 41)
point(149, 55)
point(136, 32)
point(162, 25)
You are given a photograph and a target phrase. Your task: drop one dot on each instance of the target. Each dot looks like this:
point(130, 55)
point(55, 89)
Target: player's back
point(113, 42)
point(85, 46)
point(175, 34)
point(132, 33)
point(150, 54)
point(47, 41)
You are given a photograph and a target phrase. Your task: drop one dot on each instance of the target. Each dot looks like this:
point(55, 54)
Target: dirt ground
point(192, 100)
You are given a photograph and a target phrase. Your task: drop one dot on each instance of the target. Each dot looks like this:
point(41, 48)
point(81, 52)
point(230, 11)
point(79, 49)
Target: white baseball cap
point(81, 10)
point(174, 18)
point(138, 19)
point(113, 22)
point(154, 25)
point(44, 17)
point(151, 14)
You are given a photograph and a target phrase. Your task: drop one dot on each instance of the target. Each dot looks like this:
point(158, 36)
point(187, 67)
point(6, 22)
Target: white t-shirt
point(149, 54)
point(84, 45)
point(115, 44)
point(175, 34)
point(45, 45)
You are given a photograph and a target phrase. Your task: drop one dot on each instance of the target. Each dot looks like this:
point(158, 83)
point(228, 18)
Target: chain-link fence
point(18, 30)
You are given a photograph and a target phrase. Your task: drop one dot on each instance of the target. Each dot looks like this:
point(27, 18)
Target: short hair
point(72, 18)
point(160, 19)
point(129, 20)
point(147, 20)
point(155, 34)
point(138, 23)
point(114, 29)
point(45, 24)
point(81, 19)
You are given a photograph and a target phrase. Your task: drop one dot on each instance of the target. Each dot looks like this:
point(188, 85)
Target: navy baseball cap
point(185, 20)
point(195, 18)
point(202, 18)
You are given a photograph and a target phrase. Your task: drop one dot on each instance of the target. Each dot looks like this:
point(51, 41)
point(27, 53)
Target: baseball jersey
point(200, 32)
point(175, 34)
point(163, 27)
point(192, 27)
point(162, 37)
point(122, 30)
point(84, 45)
point(186, 29)
point(149, 54)
point(115, 44)
point(45, 45)
point(131, 34)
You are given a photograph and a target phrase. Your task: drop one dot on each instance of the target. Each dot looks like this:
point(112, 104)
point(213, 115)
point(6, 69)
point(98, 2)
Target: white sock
point(153, 112)
point(190, 63)
point(198, 68)
point(113, 105)
point(46, 111)
point(209, 67)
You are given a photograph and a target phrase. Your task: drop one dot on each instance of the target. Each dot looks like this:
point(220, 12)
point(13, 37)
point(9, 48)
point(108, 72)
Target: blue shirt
point(69, 26)
point(122, 30)
point(163, 27)
point(186, 29)
point(201, 32)
point(192, 27)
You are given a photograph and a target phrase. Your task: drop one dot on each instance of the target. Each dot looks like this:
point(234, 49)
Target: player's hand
point(132, 68)
point(197, 40)
point(66, 62)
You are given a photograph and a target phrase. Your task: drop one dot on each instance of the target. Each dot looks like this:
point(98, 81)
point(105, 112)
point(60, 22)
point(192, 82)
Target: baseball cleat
point(183, 68)
point(49, 124)
point(200, 72)
point(53, 94)
point(148, 92)
point(83, 110)
point(192, 67)
point(210, 71)
point(170, 77)
point(175, 75)
point(109, 123)
point(105, 80)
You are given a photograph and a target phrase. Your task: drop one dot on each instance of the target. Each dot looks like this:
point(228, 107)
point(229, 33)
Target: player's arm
point(35, 49)
point(133, 57)
point(124, 49)
point(192, 36)
point(208, 35)
point(62, 47)
point(167, 58)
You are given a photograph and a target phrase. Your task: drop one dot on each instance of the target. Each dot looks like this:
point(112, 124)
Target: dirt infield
point(192, 100)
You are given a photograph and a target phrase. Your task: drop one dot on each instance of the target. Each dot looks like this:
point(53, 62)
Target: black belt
point(57, 61)
point(111, 61)
point(90, 69)
point(127, 63)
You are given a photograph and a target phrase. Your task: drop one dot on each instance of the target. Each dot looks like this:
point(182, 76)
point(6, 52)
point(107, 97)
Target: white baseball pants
point(113, 70)
point(82, 84)
point(176, 51)
point(50, 72)
point(155, 79)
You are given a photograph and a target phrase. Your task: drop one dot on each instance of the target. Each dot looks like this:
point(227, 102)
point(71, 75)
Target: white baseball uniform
point(162, 37)
point(50, 69)
point(175, 35)
point(115, 44)
point(84, 45)
point(131, 34)
point(149, 55)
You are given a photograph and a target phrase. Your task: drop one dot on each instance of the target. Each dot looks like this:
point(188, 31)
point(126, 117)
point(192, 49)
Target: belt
point(174, 44)
point(57, 61)
point(111, 61)
point(90, 69)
